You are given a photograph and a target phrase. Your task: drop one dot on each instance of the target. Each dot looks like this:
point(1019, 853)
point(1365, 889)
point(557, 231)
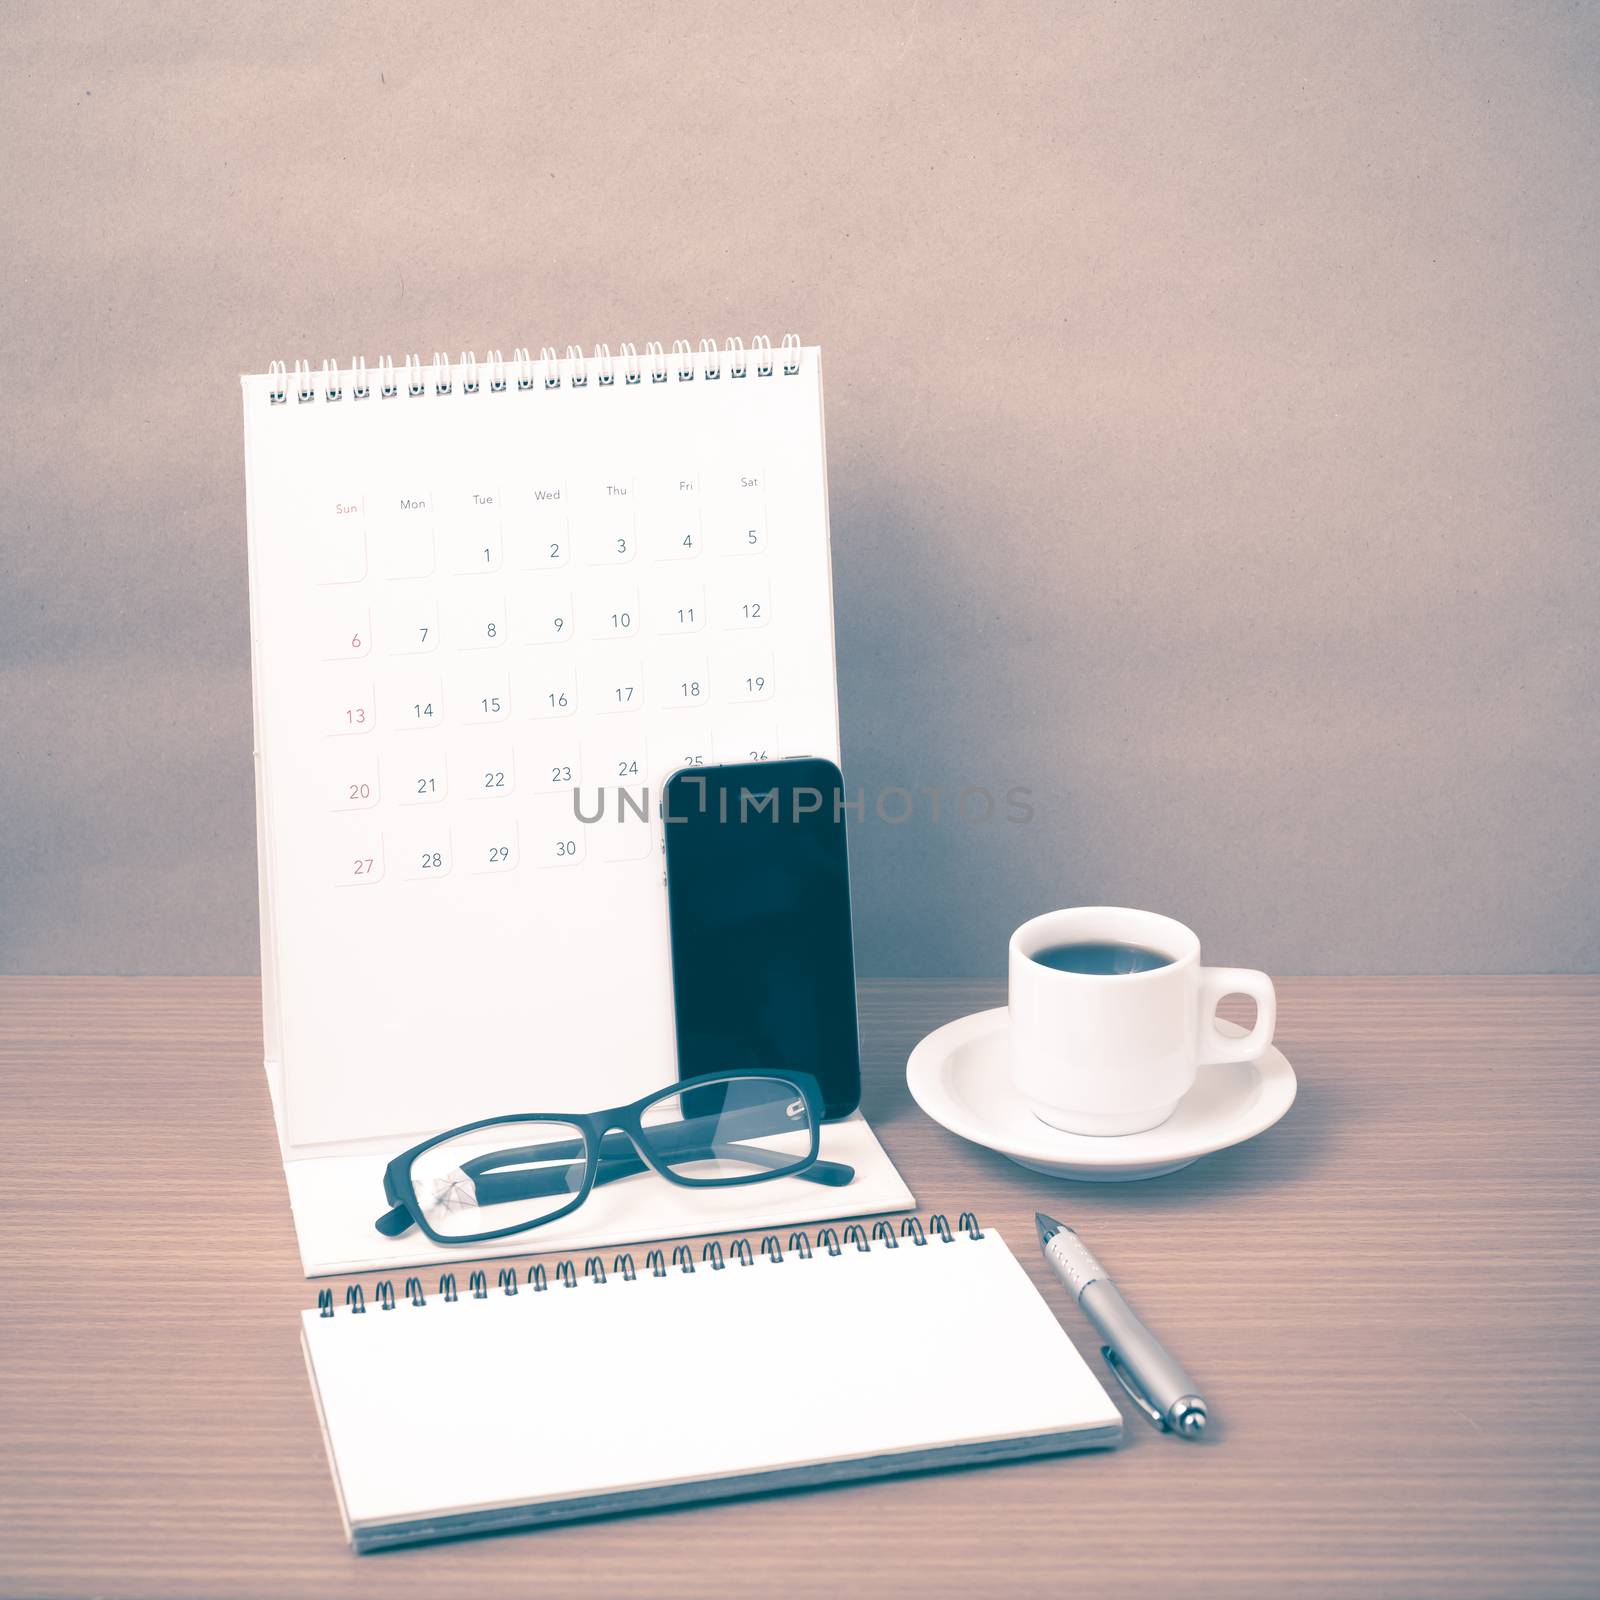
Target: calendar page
point(492, 611)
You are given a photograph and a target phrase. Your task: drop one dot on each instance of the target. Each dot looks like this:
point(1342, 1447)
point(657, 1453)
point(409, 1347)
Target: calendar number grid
point(482, 654)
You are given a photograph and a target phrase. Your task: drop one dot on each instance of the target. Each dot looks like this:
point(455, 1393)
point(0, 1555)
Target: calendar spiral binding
point(713, 1258)
point(523, 372)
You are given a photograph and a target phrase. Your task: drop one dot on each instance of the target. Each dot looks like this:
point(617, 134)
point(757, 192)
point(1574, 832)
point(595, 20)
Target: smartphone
point(758, 896)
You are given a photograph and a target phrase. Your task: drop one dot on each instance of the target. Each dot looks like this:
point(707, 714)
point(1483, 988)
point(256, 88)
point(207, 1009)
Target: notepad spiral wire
point(550, 370)
point(656, 1263)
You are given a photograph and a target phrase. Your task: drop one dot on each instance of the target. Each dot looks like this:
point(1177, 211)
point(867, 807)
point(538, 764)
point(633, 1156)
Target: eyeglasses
point(484, 1180)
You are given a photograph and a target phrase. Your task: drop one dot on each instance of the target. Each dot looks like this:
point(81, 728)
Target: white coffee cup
point(1115, 1053)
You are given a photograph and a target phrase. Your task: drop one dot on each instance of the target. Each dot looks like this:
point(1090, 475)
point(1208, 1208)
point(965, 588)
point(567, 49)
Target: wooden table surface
point(1390, 1299)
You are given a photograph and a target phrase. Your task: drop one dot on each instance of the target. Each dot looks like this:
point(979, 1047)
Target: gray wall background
point(1212, 408)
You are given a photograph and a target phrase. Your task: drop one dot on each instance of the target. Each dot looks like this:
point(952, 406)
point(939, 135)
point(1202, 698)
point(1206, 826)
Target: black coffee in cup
point(1100, 958)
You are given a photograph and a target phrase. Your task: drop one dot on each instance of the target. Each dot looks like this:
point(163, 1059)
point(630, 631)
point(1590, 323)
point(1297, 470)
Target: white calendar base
point(337, 1198)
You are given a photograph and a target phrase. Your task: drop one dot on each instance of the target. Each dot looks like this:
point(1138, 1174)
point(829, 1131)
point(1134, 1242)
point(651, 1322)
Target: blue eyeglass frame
point(615, 1145)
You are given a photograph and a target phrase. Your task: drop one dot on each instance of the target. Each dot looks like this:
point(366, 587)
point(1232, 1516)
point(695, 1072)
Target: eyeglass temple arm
point(667, 1139)
point(752, 1120)
point(493, 1187)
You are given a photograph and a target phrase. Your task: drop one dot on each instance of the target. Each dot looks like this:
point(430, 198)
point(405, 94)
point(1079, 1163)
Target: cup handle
point(1215, 984)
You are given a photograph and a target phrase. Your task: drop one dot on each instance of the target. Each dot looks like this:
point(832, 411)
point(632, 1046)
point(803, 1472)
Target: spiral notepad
point(618, 1386)
point(494, 604)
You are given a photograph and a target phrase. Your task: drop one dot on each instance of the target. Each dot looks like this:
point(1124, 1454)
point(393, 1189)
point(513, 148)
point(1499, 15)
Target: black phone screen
point(758, 892)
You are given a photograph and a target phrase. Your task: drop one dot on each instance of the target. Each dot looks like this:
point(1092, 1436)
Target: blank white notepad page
point(624, 1386)
point(467, 604)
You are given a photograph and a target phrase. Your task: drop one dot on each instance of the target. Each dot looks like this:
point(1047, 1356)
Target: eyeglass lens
point(504, 1175)
point(740, 1128)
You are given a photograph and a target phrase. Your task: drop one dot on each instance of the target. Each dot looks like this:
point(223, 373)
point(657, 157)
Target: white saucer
point(960, 1076)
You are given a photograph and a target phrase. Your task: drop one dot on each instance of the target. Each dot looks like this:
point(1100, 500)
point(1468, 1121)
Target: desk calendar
point(493, 607)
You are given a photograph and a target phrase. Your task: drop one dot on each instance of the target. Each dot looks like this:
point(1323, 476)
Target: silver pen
point(1155, 1383)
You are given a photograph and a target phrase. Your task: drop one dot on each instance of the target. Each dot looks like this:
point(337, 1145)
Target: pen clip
point(1129, 1388)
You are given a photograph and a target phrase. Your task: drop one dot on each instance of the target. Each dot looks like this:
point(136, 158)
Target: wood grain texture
point(1390, 1299)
